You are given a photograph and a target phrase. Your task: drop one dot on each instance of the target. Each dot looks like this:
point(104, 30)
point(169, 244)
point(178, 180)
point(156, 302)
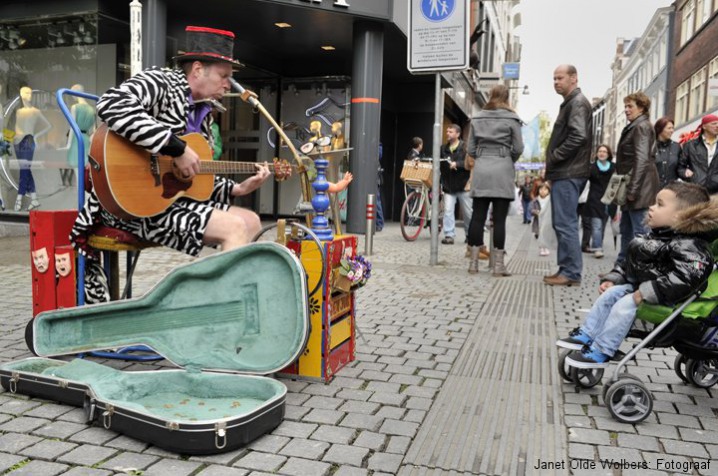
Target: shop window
point(38, 57)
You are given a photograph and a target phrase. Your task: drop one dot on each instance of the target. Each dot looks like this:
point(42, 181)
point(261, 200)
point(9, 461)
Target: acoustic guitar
point(133, 183)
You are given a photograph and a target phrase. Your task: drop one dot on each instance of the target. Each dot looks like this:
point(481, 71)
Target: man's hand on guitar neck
point(253, 182)
point(186, 166)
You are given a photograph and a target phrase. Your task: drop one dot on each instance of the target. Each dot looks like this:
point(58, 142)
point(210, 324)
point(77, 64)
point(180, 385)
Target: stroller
point(690, 328)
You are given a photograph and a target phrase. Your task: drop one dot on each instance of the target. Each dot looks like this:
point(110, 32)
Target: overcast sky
point(581, 32)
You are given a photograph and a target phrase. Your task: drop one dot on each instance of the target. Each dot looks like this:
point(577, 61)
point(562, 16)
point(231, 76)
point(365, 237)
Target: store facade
point(329, 62)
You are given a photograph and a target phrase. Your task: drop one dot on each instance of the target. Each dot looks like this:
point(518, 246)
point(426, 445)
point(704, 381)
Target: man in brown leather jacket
point(568, 161)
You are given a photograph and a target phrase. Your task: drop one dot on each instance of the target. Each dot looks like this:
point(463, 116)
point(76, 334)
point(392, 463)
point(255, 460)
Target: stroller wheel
point(679, 365)
point(629, 401)
point(702, 373)
point(586, 378)
point(623, 376)
point(564, 370)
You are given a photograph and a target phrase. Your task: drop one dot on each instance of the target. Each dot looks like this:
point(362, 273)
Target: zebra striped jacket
point(149, 108)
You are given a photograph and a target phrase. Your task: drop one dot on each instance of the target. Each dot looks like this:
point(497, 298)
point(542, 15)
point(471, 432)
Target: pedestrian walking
point(634, 157)
point(526, 198)
point(568, 159)
point(698, 163)
point(596, 212)
point(454, 176)
point(668, 152)
point(541, 226)
point(417, 146)
point(379, 184)
point(495, 144)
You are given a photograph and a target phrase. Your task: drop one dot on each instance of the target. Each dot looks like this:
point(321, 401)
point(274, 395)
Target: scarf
point(603, 168)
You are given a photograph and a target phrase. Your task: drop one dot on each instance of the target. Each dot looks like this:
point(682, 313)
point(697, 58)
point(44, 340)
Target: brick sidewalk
point(416, 326)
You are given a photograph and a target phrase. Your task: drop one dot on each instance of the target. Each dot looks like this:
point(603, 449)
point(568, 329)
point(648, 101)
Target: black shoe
point(448, 240)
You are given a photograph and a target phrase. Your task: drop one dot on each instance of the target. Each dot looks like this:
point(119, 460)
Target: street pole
point(438, 109)
point(135, 37)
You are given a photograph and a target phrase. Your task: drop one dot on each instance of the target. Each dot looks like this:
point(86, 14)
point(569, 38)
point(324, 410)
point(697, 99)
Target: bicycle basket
point(414, 170)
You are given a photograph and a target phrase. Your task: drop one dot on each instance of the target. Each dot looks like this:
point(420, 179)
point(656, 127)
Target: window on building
point(711, 100)
point(682, 103)
point(698, 93)
point(688, 20)
point(704, 9)
point(663, 52)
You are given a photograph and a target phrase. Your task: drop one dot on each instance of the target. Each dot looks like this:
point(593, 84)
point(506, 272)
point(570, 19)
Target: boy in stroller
point(662, 267)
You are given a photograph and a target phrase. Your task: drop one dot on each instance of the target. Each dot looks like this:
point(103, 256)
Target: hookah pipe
point(251, 98)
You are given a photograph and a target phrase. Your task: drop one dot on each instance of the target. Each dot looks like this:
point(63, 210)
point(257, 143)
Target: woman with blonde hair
point(495, 143)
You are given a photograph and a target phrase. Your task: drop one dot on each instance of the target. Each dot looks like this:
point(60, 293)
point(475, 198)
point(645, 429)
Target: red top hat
point(208, 44)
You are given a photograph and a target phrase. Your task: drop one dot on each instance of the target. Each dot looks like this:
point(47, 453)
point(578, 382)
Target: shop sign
point(438, 36)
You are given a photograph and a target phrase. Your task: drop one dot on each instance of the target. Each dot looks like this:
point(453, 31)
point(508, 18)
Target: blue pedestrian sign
point(438, 36)
point(511, 70)
point(437, 10)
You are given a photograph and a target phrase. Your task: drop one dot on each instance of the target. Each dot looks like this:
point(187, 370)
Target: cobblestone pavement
point(455, 374)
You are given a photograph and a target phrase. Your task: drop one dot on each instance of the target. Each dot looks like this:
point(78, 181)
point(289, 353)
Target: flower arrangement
point(356, 270)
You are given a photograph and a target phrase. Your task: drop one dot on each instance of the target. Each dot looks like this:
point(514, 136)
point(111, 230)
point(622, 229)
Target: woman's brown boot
point(474, 263)
point(484, 252)
point(499, 266)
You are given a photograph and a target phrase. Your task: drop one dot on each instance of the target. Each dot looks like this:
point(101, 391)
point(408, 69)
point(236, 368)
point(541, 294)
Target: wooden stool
point(111, 241)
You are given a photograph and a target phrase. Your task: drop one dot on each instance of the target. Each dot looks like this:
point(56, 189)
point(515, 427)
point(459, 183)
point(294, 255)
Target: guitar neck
point(227, 167)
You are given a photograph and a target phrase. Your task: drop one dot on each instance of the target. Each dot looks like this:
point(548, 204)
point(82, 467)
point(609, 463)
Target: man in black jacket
point(698, 163)
point(568, 160)
point(453, 182)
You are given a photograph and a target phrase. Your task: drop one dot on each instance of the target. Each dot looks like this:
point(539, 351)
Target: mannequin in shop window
point(30, 125)
point(84, 115)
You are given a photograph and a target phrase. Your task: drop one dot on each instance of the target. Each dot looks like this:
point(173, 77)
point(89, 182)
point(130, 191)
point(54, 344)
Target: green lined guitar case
point(227, 320)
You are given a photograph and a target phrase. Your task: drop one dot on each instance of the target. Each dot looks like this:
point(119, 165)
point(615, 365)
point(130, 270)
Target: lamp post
point(525, 89)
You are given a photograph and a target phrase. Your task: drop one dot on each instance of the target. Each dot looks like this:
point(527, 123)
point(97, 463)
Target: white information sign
point(438, 35)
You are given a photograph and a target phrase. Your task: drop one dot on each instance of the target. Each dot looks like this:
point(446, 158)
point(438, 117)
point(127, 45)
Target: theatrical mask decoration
point(41, 260)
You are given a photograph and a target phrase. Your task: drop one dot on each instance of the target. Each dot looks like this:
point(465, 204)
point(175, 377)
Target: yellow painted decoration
point(340, 332)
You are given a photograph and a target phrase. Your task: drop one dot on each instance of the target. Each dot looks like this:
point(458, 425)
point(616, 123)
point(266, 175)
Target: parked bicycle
point(416, 210)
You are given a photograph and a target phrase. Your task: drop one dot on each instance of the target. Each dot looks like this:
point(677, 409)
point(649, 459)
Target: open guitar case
point(227, 320)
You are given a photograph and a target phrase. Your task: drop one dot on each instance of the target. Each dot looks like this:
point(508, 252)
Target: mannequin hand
point(186, 166)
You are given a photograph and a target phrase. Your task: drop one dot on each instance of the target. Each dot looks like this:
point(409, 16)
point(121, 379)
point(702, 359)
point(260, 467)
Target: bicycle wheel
point(413, 216)
point(312, 251)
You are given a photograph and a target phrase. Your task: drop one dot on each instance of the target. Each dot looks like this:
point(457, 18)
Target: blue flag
point(530, 134)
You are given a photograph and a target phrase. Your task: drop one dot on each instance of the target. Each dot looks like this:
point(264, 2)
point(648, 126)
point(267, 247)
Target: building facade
point(695, 63)
point(640, 64)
